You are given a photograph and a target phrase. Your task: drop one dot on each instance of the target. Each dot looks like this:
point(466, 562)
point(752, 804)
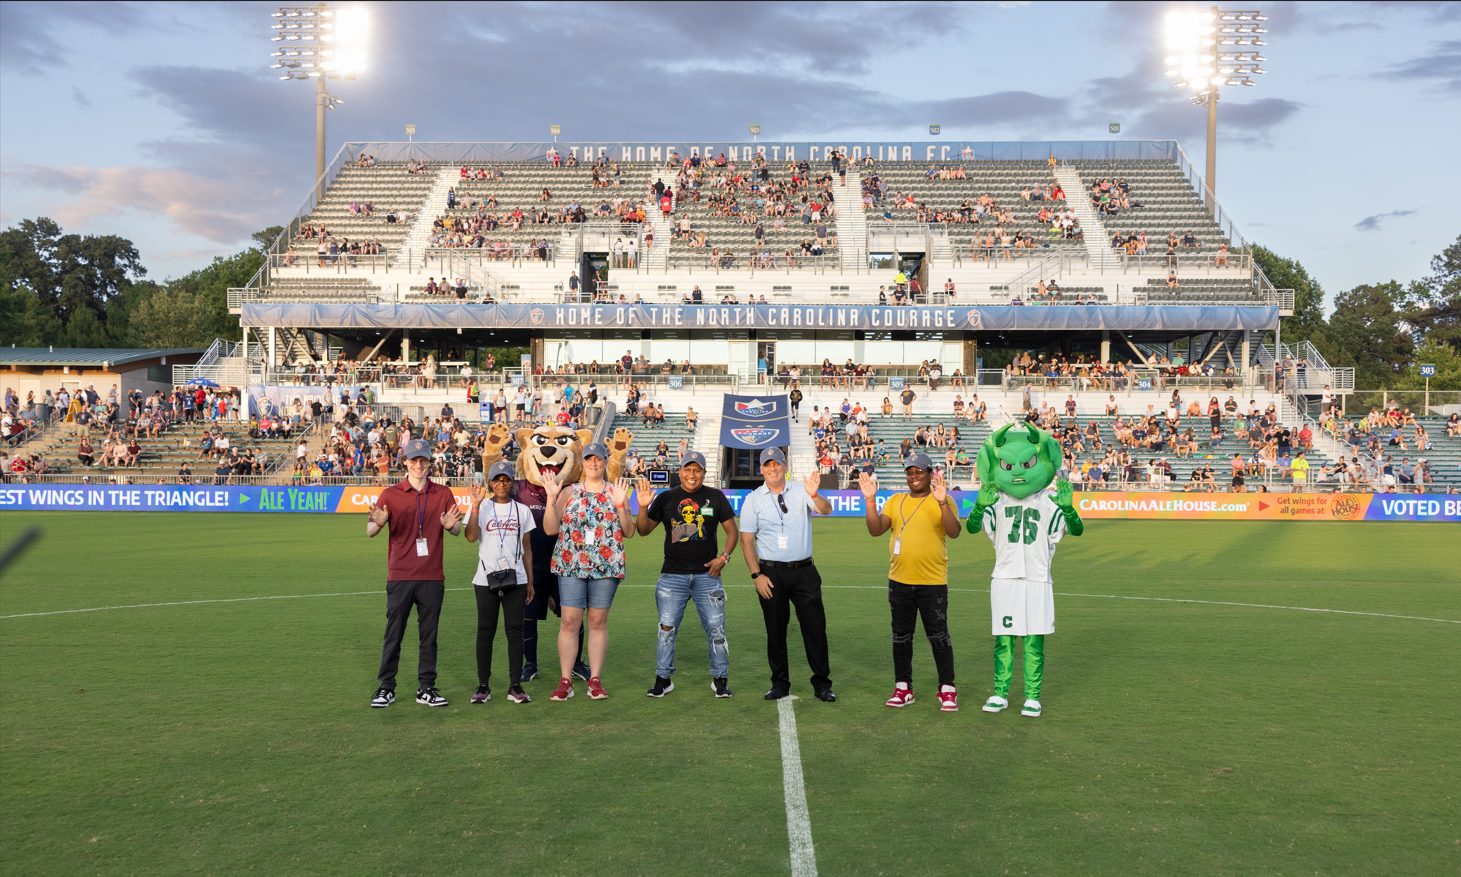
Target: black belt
point(785, 564)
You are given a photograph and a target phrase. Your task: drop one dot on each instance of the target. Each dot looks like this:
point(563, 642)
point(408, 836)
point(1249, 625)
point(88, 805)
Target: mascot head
point(551, 448)
point(1019, 460)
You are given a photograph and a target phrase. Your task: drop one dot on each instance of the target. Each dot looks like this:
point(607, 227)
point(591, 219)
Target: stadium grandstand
point(910, 294)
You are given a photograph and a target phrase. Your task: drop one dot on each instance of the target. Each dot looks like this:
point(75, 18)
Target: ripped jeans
point(671, 594)
point(908, 603)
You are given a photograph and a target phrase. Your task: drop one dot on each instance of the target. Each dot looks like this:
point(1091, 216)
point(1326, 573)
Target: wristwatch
point(755, 575)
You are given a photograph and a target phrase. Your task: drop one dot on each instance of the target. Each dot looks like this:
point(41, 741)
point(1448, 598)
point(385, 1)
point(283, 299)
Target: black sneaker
point(721, 687)
point(383, 698)
point(530, 672)
point(826, 694)
point(661, 687)
point(776, 694)
point(582, 671)
point(430, 697)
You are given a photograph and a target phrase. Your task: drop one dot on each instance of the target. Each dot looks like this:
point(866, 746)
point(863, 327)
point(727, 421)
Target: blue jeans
point(670, 596)
point(576, 593)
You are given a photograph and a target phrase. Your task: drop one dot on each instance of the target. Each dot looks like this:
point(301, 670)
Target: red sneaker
point(564, 690)
point(596, 689)
point(948, 701)
point(901, 697)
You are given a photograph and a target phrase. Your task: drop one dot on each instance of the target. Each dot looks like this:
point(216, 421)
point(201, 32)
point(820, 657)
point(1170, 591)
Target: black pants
point(400, 597)
point(802, 588)
point(511, 600)
point(907, 602)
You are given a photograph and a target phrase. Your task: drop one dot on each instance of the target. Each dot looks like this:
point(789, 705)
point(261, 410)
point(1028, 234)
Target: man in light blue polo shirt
point(776, 540)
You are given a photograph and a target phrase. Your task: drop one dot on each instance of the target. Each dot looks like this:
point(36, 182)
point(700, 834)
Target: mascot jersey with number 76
point(1025, 518)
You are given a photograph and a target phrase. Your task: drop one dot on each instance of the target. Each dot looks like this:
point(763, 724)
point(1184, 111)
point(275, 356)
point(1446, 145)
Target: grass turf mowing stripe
point(825, 587)
point(798, 819)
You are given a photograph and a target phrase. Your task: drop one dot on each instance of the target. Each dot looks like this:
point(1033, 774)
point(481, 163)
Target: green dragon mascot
point(1025, 517)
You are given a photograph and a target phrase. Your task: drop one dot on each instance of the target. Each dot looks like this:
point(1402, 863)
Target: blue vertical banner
point(755, 422)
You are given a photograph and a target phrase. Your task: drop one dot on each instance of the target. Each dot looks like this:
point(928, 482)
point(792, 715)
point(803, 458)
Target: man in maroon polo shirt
point(416, 511)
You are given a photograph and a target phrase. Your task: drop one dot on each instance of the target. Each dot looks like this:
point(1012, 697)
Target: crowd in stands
point(1376, 438)
point(753, 195)
point(331, 250)
point(1085, 374)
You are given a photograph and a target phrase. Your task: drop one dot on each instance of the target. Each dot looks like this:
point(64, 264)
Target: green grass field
point(1178, 737)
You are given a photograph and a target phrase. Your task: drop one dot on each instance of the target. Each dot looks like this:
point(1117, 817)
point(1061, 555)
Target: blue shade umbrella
point(201, 382)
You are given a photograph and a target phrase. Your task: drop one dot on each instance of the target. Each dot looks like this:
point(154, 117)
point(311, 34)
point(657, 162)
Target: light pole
point(755, 130)
point(319, 43)
point(1208, 49)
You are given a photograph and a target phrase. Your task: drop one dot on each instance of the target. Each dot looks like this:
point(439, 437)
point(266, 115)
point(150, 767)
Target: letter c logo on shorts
point(1008, 621)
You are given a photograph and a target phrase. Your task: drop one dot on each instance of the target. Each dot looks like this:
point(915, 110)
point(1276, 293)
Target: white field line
point(798, 821)
point(380, 592)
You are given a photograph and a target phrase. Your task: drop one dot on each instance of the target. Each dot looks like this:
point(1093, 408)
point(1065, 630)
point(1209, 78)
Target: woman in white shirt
point(503, 577)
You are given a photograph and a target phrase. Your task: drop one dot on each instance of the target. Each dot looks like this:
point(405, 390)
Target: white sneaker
point(1032, 709)
point(995, 704)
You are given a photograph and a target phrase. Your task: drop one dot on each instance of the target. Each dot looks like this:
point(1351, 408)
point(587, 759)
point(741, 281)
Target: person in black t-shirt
point(691, 569)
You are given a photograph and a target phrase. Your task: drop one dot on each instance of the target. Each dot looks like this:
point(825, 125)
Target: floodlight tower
point(1208, 49)
point(320, 43)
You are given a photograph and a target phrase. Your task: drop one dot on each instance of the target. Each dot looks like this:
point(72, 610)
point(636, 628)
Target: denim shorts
point(577, 593)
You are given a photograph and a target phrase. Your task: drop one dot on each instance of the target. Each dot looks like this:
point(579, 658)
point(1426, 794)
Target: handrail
point(1207, 197)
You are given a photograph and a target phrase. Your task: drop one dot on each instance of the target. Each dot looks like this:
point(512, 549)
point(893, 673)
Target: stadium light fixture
point(555, 130)
point(1206, 50)
point(755, 130)
point(320, 43)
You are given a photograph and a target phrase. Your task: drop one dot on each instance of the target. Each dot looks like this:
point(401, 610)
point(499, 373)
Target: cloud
point(30, 41)
point(225, 208)
point(1442, 64)
point(1259, 115)
point(1372, 222)
point(79, 98)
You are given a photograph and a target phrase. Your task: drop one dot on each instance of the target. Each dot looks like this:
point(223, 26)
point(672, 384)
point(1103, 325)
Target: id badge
point(897, 547)
point(781, 542)
point(421, 548)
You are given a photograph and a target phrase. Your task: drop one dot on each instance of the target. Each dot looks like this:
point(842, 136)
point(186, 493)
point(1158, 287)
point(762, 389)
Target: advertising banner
point(753, 422)
point(547, 317)
point(1418, 508)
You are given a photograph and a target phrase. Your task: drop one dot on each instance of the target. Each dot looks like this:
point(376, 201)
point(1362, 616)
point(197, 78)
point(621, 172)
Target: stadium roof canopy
point(90, 357)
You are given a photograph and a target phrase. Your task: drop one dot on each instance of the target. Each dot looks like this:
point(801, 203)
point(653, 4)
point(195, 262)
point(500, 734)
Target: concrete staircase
point(1097, 238)
point(851, 223)
point(434, 206)
point(663, 227)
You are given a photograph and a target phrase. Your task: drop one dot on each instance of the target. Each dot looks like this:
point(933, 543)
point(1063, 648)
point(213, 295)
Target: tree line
point(72, 290)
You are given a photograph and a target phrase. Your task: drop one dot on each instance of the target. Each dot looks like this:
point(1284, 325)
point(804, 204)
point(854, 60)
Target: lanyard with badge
point(905, 518)
point(421, 549)
point(782, 541)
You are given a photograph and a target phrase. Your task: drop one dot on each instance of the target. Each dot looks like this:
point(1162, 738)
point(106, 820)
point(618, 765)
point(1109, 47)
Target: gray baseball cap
point(502, 467)
point(417, 448)
point(918, 461)
point(596, 449)
point(693, 457)
point(773, 455)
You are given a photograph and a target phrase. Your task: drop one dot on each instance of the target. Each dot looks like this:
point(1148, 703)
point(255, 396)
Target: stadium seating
point(1168, 203)
point(162, 455)
point(387, 186)
point(1201, 291)
point(521, 186)
point(736, 235)
point(1001, 180)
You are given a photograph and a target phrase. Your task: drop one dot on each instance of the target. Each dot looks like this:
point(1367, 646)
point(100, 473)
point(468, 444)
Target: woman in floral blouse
point(591, 520)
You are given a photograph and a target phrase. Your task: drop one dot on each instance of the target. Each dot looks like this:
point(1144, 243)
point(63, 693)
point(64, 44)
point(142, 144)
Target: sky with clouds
point(162, 122)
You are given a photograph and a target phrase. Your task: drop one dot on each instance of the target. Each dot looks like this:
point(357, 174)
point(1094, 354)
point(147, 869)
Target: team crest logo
point(756, 435)
point(756, 408)
point(973, 318)
point(536, 315)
